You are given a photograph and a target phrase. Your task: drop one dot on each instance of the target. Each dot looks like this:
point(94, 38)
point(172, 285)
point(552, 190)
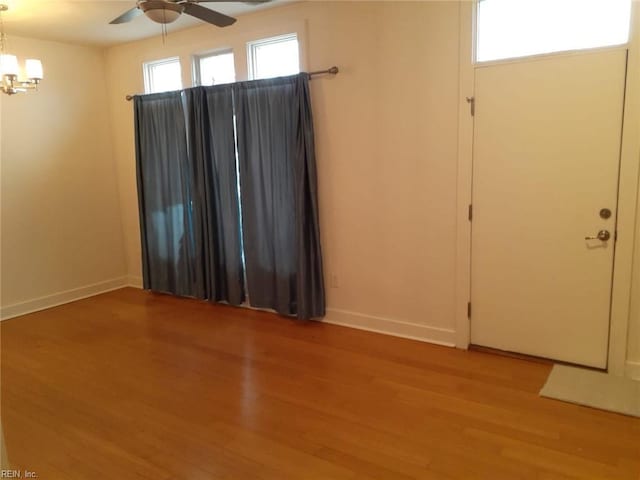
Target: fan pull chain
point(164, 26)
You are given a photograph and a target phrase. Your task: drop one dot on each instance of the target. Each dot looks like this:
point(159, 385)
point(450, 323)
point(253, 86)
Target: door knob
point(603, 235)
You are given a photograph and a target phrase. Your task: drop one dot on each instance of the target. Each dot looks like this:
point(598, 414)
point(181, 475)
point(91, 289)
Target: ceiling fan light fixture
point(161, 11)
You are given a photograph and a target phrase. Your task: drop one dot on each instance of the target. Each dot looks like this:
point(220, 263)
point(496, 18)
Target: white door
point(546, 160)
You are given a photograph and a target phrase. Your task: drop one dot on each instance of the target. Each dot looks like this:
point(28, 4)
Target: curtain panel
point(276, 154)
point(170, 260)
point(210, 131)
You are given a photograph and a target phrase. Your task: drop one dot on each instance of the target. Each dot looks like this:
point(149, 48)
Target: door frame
point(627, 190)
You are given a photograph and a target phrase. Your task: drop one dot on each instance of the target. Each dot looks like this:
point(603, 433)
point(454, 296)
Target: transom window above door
point(520, 28)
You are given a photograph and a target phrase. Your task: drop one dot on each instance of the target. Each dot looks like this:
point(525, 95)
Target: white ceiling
point(87, 21)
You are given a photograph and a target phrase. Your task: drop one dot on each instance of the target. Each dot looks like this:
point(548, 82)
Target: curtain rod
point(332, 71)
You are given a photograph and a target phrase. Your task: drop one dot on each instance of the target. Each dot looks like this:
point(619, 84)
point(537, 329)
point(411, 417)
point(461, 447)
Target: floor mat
point(593, 389)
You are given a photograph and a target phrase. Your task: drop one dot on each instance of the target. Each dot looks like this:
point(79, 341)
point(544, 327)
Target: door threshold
point(530, 358)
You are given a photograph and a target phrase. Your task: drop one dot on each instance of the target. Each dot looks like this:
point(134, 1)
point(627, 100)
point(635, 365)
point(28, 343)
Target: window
point(214, 69)
point(162, 75)
point(518, 28)
point(273, 57)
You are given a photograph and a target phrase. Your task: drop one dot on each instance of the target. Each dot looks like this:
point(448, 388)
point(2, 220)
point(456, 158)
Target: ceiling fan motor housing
point(161, 11)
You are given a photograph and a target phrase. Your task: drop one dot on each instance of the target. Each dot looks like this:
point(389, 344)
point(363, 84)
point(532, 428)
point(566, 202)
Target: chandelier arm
point(11, 85)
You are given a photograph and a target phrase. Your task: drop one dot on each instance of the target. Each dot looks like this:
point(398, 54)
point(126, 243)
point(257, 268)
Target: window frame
point(253, 44)
point(196, 78)
point(147, 69)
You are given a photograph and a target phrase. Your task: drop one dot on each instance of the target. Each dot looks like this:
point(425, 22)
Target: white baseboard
point(48, 301)
point(632, 370)
point(134, 281)
point(397, 328)
point(440, 336)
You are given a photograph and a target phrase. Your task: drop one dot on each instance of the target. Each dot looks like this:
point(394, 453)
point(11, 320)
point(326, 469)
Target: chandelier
point(10, 69)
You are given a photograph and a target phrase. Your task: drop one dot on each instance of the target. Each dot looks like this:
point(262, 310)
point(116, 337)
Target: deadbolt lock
point(605, 213)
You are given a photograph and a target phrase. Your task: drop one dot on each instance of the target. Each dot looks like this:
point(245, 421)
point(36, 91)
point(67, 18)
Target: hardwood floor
point(131, 385)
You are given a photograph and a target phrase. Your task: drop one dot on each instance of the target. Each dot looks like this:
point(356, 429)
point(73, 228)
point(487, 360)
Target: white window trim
point(542, 56)
point(148, 66)
point(251, 46)
point(195, 62)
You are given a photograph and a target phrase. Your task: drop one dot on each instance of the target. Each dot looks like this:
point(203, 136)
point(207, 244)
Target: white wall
point(61, 229)
point(386, 131)
point(633, 352)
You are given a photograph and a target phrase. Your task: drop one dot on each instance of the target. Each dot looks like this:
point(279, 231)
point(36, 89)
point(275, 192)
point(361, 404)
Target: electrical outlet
point(333, 280)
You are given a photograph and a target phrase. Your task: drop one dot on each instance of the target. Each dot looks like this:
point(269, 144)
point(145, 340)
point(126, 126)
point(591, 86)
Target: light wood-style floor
point(131, 385)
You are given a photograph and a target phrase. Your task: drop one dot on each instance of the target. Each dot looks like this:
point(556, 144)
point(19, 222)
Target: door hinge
point(469, 310)
point(470, 212)
point(472, 105)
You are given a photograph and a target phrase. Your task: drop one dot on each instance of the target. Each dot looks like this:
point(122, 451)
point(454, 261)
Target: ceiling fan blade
point(227, 1)
point(127, 16)
point(249, 2)
point(209, 16)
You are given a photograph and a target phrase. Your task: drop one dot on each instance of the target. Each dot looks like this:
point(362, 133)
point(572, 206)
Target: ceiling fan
point(167, 11)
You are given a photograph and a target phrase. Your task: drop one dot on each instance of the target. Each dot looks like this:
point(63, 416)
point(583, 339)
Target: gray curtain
point(217, 204)
point(170, 260)
point(279, 196)
point(188, 196)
